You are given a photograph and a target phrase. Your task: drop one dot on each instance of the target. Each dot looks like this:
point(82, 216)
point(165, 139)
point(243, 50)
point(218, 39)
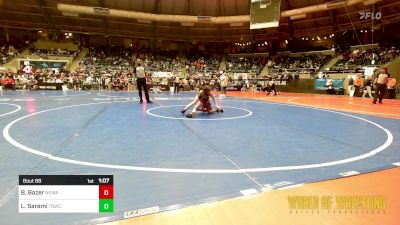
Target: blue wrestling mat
point(161, 158)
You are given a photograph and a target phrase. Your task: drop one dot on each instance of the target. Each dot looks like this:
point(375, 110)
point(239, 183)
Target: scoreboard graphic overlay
point(66, 194)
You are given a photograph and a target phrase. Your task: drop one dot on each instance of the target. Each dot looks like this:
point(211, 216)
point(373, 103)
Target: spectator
point(351, 86)
point(368, 87)
point(176, 84)
point(357, 86)
point(8, 83)
point(391, 86)
point(271, 86)
point(329, 86)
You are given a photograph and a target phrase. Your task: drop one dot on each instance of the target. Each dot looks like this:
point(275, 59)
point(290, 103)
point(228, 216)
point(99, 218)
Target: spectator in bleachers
point(245, 64)
point(10, 49)
point(307, 62)
point(358, 58)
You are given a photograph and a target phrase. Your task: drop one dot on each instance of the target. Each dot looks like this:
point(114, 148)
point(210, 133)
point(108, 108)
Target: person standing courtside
point(392, 87)
point(357, 86)
point(351, 86)
point(141, 83)
point(368, 87)
point(224, 80)
point(380, 85)
point(176, 84)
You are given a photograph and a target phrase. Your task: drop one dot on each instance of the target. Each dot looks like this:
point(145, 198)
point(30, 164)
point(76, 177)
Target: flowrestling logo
point(370, 15)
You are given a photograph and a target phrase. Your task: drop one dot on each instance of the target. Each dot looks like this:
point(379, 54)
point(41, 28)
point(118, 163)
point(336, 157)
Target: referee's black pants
point(141, 85)
point(379, 92)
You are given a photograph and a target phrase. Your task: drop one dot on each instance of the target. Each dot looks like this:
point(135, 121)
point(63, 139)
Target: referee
point(141, 83)
point(380, 85)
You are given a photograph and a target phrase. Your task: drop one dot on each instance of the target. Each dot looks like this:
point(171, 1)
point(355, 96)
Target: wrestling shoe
point(220, 110)
point(183, 111)
point(190, 115)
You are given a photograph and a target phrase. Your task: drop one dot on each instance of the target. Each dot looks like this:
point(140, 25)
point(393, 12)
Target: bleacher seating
point(358, 58)
point(245, 64)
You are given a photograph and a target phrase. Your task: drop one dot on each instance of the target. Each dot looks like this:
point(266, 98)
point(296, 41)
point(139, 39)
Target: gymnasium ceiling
point(44, 15)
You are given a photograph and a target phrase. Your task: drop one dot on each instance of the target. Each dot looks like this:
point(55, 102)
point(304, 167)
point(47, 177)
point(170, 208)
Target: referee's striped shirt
point(140, 72)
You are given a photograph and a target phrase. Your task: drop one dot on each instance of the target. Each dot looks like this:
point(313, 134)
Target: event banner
point(319, 84)
point(43, 64)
